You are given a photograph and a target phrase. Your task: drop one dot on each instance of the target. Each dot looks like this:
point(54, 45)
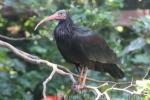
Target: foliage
point(21, 80)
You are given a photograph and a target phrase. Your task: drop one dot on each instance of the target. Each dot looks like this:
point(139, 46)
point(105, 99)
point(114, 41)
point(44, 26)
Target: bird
point(83, 47)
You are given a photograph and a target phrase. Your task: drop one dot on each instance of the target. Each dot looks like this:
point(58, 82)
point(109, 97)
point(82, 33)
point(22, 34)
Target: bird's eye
point(61, 13)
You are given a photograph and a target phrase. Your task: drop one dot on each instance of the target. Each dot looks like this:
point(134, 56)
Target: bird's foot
point(77, 87)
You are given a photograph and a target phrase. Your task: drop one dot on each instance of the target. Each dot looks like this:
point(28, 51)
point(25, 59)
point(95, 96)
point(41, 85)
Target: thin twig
point(47, 80)
point(107, 96)
point(147, 73)
point(19, 39)
point(98, 93)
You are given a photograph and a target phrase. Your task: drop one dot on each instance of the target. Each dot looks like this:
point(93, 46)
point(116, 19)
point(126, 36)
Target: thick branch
point(66, 72)
point(35, 60)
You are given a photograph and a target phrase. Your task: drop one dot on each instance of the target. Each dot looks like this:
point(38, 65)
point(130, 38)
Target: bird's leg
point(84, 77)
point(81, 74)
point(78, 86)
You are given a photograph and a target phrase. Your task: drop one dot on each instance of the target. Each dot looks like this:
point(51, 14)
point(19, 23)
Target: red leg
point(81, 74)
point(85, 75)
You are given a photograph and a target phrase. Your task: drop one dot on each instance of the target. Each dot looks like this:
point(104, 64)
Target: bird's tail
point(112, 69)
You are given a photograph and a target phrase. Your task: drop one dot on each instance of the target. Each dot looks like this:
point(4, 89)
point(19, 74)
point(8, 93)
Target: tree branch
point(59, 69)
point(35, 60)
point(19, 39)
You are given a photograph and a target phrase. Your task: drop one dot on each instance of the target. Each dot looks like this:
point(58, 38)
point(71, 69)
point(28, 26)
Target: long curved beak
point(52, 17)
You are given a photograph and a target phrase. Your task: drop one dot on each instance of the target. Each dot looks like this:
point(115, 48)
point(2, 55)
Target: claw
point(77, 87)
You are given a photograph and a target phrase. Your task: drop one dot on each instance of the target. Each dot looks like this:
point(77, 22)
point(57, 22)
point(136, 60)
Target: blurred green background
point(20, 80)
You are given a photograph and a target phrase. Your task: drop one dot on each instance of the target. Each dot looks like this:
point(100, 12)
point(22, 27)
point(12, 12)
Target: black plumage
point(82, 46)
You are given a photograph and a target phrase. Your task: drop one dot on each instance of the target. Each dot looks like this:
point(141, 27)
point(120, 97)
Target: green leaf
point(142, 58)
point(18, 65)
point(38, 49)
point(134, 45)
point(143, 86)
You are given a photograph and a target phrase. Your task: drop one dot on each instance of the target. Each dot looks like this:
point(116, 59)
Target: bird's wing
point(93, 46)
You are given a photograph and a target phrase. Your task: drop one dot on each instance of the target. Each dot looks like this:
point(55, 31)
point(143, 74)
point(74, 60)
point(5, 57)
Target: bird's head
point(59, 15)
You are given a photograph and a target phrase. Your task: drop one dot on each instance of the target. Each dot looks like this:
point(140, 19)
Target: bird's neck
point(66, 26)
